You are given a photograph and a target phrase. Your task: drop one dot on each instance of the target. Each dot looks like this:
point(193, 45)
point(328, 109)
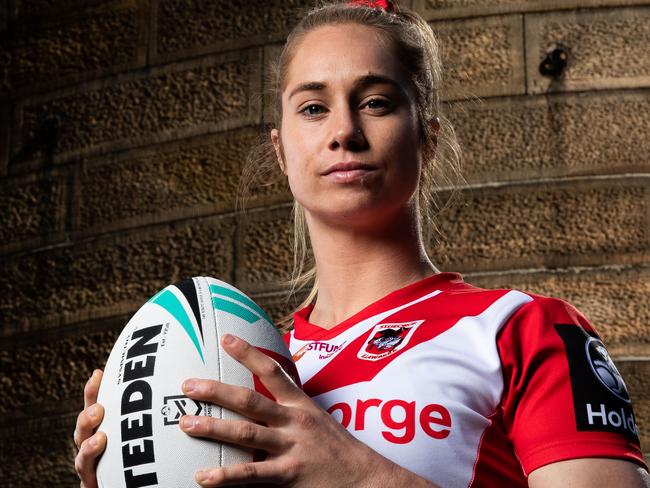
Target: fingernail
point(227, 339)
point(93, 442)
point(189, 385)
point(189, 422)
point(93, 411)
point(202, 476)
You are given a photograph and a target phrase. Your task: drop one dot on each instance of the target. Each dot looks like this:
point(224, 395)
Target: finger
point(254, 473)
point(240, 432)
point(236, 398)
point(87, 421)
point(85, 463)
point(92, 388)
point(270, 373)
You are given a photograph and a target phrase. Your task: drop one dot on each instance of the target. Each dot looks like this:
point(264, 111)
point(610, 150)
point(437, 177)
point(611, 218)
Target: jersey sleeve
point(563, 396)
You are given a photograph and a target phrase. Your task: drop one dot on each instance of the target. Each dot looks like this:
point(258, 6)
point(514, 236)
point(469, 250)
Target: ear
point(277, 145)
point(435, 124)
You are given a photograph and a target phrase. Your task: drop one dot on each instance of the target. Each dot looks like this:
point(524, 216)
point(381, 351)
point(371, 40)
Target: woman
point(438, 383)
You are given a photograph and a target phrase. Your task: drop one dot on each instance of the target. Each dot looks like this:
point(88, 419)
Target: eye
point(312, 110)
point(377, 105)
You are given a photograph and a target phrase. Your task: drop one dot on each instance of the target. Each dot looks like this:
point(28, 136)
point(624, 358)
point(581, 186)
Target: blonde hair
point(415, 46)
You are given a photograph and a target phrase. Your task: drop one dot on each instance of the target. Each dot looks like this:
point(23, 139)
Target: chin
point(358, 213)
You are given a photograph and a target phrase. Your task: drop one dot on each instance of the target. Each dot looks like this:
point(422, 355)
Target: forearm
point(403, 477)
point(384, 473)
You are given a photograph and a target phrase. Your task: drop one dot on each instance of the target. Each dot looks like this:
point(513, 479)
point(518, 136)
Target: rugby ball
point(175, 336)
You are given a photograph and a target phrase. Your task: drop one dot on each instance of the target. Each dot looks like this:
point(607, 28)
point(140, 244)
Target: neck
point(356, 268)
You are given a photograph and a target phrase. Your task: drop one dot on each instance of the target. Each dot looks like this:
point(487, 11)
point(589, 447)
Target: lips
point(348, 167)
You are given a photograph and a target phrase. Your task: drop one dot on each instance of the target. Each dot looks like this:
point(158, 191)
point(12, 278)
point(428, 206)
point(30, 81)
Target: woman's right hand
point(90, 443)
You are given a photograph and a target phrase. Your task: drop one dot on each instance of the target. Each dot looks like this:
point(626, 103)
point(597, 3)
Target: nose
point(346, 132)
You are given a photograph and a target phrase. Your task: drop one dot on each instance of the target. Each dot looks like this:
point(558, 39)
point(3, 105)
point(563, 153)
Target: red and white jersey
point(468, 387)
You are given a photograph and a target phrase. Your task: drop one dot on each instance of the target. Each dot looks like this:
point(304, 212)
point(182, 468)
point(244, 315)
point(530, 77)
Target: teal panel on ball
point(227, 292)
point(235, 309)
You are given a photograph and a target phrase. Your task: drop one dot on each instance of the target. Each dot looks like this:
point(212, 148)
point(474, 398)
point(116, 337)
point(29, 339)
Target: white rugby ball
point(175, 336)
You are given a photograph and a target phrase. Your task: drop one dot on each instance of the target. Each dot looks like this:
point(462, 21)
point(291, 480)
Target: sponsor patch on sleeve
point(600, 398)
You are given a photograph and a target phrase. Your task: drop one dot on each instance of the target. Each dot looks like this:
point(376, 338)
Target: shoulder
point(542, 309)
point(524, 308)
point(547, 322)
point(544, 327)
point(519, 309)
point(530, 327)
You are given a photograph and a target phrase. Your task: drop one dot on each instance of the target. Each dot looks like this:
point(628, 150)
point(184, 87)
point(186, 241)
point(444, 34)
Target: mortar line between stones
point(566, 270)
point(543, 180)
point(550, 95)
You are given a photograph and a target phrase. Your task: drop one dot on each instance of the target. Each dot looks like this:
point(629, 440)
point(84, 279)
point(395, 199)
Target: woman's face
point(349, 139)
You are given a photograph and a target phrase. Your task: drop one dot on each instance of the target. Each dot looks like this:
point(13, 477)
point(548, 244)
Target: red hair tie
point(386, 5)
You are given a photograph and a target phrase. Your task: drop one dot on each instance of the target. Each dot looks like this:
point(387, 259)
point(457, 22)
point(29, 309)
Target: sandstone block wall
point(124, 125)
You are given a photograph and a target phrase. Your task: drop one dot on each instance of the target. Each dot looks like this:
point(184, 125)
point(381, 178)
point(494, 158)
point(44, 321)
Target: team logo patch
point(386, 339)
point(174, 407)
point(600, 398)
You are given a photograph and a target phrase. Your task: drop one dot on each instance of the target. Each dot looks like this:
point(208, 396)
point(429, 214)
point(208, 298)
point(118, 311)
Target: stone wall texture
point(464, 45)
point(100, 41)
point(124, 126)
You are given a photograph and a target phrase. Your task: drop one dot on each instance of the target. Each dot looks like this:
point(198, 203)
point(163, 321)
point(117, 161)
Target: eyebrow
point(309, 86)
point(366, 80)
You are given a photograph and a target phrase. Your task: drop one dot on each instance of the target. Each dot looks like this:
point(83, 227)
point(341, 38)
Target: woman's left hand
point(305, 445)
